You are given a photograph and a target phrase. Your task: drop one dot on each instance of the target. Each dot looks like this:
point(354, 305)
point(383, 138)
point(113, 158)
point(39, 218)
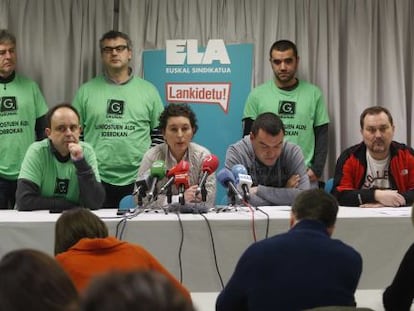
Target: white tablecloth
point(381, 236)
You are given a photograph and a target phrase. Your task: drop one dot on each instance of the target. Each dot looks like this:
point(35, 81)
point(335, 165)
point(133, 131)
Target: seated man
point(59, 172)
point(300, 269)
point(277, 167)
point(379, 171)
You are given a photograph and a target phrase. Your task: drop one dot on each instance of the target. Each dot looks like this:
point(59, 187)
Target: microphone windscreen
point(224, 176)
point(126, 204)
point(182, 179)
point(158, 169)
point(210, 164)
point(238, 169)
point(181, 167)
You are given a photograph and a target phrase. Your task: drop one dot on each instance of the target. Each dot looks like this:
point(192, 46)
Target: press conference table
point(381, 236)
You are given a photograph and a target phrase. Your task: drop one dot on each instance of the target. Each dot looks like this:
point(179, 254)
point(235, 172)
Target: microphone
point(126, 205)
point(182, 166)
point(226, 179)
point(243, 180)
point(182, 182)
point(209, 166)
point(142, 185)
point(157, 172)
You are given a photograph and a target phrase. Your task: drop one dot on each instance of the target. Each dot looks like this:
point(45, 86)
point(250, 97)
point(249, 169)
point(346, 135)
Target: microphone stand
point(139, 199)
point(169, 194)
point(181, 190)
point(246, 195)
point(140, 195)
point(232, 197)
point(203, 193)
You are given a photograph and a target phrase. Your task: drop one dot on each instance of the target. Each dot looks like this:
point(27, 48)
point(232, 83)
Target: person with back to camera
point(119, 115)
point(399, 294)
point(59, 172)
point(378, 171)
point(299, 104)
point(134, 290)
point(22, 118)
point(300, 269)
point(178, 124)
point(31, 280)
point(277, 167)
point(84, 249)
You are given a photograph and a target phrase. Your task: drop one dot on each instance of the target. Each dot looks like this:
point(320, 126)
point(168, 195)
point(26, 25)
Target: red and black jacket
point(351, 169)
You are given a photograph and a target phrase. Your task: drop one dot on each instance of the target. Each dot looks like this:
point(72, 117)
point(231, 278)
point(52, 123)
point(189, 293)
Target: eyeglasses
point(110, 49)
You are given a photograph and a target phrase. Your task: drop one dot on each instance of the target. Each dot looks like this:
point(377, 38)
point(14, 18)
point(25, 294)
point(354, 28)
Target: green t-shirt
point(117, 121)
point(21, 103)
point(300, 109)
point(55, 178)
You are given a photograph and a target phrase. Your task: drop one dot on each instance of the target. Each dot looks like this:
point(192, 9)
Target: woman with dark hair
point(84, 250)
point(178, 124)
point(137, 290)
point(31, 280)
point(75, 225)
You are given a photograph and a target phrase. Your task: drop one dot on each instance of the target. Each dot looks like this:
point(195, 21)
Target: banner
point(215, 80)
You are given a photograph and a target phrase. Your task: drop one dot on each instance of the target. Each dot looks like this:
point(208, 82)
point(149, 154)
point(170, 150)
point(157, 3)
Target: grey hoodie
point(271, 180)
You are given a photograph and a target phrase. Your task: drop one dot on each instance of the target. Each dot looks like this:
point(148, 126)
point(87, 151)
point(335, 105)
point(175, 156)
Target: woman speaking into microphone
point(190, 167)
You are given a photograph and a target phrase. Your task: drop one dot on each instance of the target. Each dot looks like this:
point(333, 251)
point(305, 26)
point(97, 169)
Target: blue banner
point(215, 80)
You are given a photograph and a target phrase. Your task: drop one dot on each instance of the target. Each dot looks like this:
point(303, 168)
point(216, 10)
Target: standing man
point(277, 167)
point(119, 112)
point(301, 269)
point(22, 118)
point(378, 171)
point(299, 104)
point(60, 172)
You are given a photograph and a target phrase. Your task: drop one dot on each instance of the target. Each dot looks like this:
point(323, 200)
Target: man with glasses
point(119, 115)
point(22, 118)
point(378, 171)
point(299, 104)
point(59, 172)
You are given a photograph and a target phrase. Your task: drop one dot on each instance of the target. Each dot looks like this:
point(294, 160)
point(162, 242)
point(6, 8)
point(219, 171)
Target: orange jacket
point(91, 257)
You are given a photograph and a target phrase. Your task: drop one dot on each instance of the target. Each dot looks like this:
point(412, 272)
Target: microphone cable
point(122, 221)
point(247, 204)
point(267, 220)
point(180, 248)
point(121, 225)
point(214, 249)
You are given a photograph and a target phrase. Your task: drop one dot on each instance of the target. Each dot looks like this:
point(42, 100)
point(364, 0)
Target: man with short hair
point(277, 167)
point(22, 118)
point(119, 115)
point(378, 171)
point(298, 103)
point(300, 269)
point(59, 172)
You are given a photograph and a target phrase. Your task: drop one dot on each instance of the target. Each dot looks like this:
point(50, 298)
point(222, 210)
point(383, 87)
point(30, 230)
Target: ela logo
point(181, 52)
